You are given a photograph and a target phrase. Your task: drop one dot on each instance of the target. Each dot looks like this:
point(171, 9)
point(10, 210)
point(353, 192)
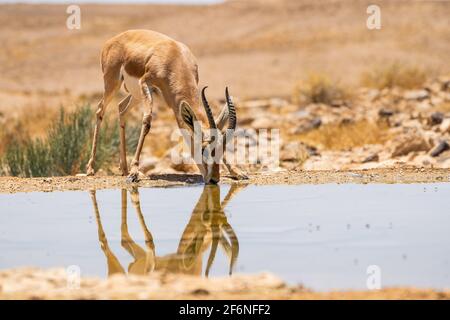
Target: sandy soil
point(395, 175)
point(28, 283)
point(258, 48)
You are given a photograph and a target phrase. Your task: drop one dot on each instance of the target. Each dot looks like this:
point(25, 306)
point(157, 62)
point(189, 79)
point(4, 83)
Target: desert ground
point(352, 105)
point(385, 175)
point(29, 283)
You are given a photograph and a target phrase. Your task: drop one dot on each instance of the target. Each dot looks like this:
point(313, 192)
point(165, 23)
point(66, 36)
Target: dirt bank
point(30, 283)
point(396, 175)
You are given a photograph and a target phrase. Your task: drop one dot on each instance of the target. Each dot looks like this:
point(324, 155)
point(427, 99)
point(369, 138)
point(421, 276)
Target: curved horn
point(232, 111)
point(227, 137)
point(208, 111)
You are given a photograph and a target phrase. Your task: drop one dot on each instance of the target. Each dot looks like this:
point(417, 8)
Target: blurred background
point(343, 96)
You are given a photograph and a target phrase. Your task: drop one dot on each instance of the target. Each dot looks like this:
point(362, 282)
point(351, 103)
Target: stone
point(256, 104)
point(409, 142)
point(445, 126)
point(436, 118)
point(371, 158)
point(295, 152)
point(385, 112)
point(265, 123)
point(307, 125)
point(441, 147)
point(147, 164)
point(418, 95)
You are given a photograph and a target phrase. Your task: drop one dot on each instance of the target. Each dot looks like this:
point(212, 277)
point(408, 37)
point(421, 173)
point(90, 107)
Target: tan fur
point(162, 66)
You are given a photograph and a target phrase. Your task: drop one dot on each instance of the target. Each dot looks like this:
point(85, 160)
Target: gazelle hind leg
point(146, 124)
point(112, 85)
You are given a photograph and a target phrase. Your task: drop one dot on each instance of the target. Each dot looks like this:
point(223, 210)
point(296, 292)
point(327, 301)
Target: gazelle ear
point(222, 118)
point(187, 115)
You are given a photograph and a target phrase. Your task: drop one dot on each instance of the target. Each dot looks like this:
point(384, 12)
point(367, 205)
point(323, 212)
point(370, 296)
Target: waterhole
point(322, 236)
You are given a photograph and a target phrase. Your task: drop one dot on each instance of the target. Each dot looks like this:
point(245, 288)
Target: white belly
point(132, 85)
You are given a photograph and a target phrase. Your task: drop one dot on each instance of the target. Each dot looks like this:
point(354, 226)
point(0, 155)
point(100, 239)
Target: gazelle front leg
point(146, 124)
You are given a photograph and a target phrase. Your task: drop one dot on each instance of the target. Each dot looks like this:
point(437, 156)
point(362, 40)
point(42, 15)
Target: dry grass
point(443, 107)
point(394, 75)
point(28, 121)
point(347, 136)
point(319, 88)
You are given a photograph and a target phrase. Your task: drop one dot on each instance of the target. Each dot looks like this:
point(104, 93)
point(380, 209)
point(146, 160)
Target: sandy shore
point(28, 283)
point(407, 175)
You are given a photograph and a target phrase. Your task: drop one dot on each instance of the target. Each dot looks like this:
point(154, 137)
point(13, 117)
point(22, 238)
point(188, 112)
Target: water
point(322, 236)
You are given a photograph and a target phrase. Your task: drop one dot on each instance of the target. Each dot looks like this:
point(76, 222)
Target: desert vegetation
point(65, 148)
point(394, 75)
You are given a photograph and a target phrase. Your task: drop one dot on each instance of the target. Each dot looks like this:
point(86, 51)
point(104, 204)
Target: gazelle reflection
point(207, 228)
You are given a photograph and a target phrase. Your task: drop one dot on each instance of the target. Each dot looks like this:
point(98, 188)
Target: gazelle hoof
point(133, 178)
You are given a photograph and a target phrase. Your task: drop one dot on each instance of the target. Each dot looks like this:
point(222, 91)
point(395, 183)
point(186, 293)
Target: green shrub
point(67, 141)
point(66, 148)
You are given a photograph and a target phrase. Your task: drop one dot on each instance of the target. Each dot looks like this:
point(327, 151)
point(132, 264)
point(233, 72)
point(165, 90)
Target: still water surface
point(322, 236)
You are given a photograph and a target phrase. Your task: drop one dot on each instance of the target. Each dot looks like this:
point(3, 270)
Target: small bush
point(394, 75)
point(68, 141)
point(319, 89)
point(66, 148)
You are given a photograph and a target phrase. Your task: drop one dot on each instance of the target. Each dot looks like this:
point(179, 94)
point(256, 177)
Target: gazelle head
point(212, 143)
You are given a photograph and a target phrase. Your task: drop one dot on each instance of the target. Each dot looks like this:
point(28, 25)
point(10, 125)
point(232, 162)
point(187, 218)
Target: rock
point(385, 112)
point(278, 103)
point(373, 94)
point(336, 103)
point(445, 126)
point(409, 142)
point(416, 95)
point(372, 158)
point(265, 122)
point(444, 82)
point(256, 104)
point(296, 152)
point(307, 125)
point(441, 147)
point(147, 164)
point(264, 103)
point(422, 160)
point(436, 118)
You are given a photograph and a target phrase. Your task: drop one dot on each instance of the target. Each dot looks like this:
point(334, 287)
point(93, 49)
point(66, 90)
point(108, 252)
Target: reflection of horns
point(216, 235)
point(234, 245)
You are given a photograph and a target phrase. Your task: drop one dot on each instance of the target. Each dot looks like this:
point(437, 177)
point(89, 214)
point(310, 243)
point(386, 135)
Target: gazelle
point(151, 64)
point(207, 228)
